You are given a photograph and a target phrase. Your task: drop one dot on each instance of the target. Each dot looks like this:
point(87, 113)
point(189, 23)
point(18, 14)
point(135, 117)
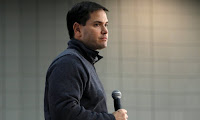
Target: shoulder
point(68, 65)
point(70, 61)
point(69, 56)
point(67, 61)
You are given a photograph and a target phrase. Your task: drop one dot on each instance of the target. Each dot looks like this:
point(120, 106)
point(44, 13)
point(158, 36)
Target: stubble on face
point(95, 32)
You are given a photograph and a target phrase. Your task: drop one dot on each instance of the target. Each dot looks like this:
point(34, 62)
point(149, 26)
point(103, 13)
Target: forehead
point(99, 15)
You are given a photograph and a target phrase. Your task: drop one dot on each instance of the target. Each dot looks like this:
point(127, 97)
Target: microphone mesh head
point(116, 94)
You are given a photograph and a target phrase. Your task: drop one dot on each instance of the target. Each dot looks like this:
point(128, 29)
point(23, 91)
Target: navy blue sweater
point(73, 90)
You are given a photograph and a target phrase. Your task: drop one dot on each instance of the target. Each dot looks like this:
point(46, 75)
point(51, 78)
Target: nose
point(104, 30)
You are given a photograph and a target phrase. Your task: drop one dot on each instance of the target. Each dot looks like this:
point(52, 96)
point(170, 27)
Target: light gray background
point(153, 56)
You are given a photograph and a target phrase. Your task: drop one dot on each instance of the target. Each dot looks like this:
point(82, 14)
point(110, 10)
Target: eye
point(96, 25)
point(106, 25)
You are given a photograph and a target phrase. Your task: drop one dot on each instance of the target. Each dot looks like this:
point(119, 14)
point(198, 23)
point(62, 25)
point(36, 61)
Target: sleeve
point(66, 85)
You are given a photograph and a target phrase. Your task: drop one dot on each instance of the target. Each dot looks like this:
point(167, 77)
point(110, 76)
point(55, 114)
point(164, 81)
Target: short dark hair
point(80, 13)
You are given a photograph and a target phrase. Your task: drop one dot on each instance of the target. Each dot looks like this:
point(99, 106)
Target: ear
point(77, 29)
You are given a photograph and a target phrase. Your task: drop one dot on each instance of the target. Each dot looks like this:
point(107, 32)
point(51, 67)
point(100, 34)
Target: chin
point(102, 47)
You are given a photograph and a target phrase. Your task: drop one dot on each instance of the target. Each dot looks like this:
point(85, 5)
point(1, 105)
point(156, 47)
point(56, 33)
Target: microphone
point(116, 95)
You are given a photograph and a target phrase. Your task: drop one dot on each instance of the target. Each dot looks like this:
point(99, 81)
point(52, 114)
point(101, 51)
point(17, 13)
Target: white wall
point(152, 56)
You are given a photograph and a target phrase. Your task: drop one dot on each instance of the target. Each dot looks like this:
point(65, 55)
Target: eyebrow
point(100, 22)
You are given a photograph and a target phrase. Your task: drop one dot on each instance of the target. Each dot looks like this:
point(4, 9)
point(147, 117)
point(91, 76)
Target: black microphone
point(116, 95)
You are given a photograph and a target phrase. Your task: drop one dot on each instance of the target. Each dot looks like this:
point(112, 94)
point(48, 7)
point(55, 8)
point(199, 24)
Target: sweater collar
point(91, 55)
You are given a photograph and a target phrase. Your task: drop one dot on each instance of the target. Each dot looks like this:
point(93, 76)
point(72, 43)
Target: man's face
point(95, 33)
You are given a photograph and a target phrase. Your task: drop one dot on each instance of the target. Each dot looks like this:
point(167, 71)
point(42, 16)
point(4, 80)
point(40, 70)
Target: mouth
point(104, 38)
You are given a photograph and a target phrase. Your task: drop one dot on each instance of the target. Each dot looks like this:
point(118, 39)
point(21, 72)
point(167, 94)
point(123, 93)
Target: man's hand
point(121, 114)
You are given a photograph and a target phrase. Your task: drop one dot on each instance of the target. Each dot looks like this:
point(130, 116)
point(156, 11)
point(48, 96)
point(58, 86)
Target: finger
point(123, 110)
point(120, 110)
point(126, 116)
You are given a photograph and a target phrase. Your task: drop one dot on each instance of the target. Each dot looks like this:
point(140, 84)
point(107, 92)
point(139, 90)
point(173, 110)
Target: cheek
point(93, 33)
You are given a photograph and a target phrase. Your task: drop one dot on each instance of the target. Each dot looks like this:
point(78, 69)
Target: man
point(73, 90)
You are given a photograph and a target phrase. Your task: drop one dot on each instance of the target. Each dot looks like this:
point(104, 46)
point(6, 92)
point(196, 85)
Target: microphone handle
point(117, 104)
